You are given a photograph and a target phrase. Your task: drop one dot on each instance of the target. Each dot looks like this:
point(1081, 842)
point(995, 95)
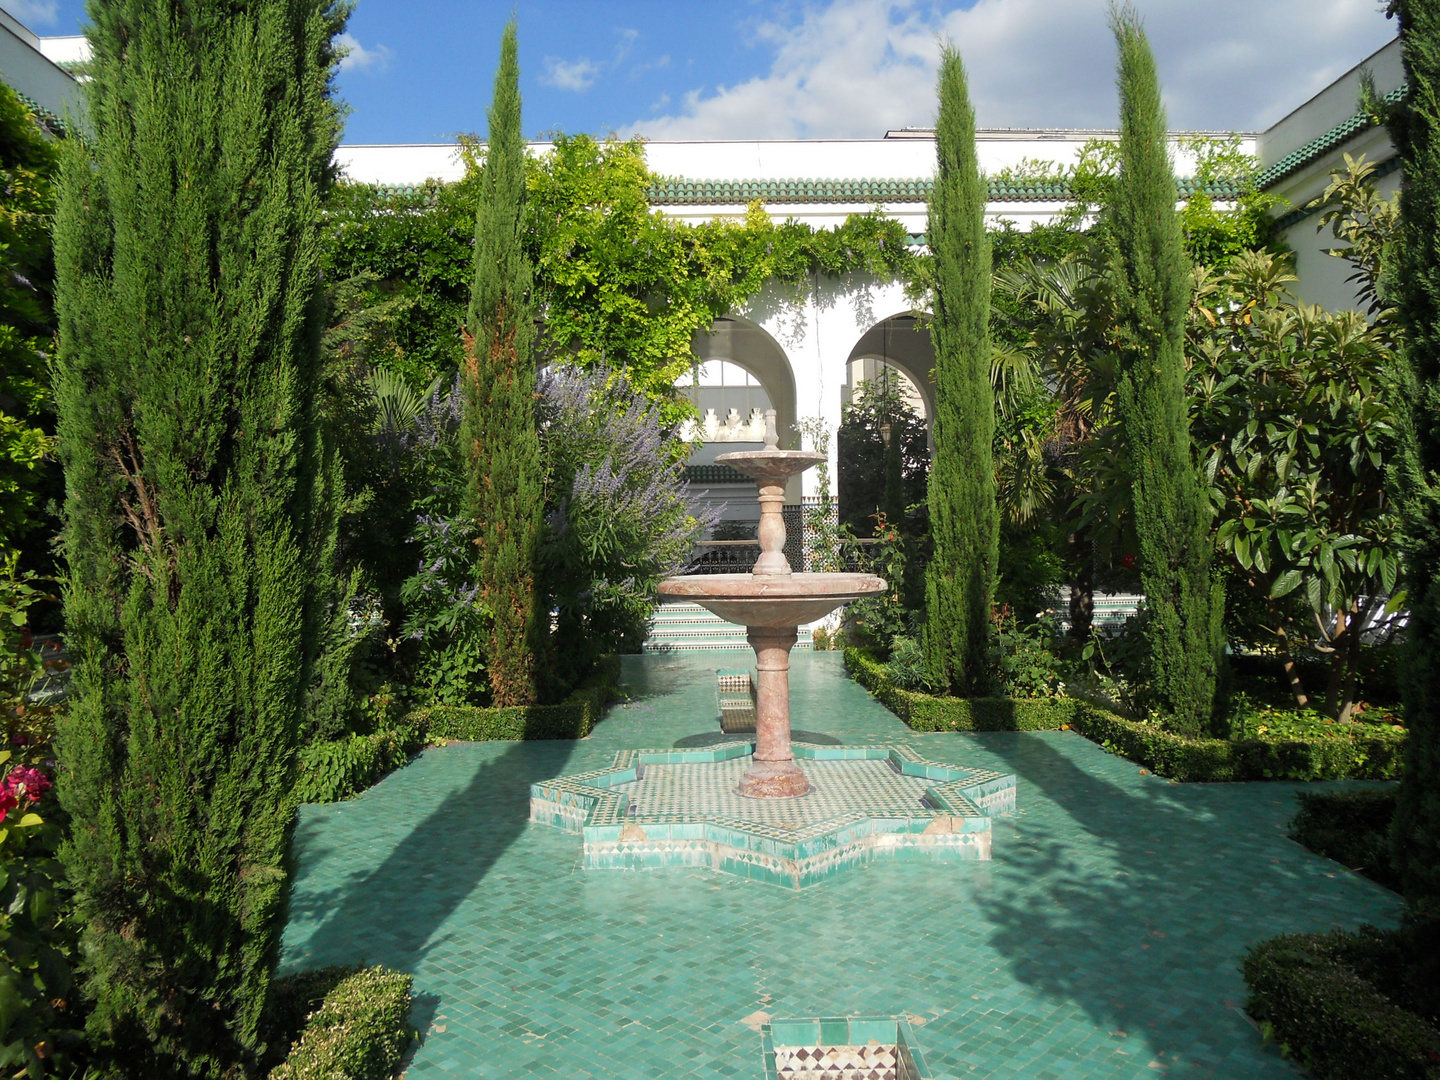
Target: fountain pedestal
point(773, 774)
point(771, 602)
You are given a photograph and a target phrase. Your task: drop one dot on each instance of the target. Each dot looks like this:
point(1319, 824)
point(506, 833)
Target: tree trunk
point(1082, 585)
point(1287, 661)
point(1337, 701)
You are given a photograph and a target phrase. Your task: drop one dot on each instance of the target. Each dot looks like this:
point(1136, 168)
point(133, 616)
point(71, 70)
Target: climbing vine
point(616, 282)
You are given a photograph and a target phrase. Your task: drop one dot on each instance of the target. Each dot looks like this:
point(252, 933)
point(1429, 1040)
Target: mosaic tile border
point(953, 824)
point(838, 1031)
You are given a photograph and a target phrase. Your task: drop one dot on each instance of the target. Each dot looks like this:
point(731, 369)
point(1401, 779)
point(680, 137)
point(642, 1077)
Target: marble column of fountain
point(771, 602)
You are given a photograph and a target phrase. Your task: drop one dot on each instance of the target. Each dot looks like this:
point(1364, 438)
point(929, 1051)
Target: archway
point(749, 346)
point(889, 398)
point(901, 342)
point(732, 412)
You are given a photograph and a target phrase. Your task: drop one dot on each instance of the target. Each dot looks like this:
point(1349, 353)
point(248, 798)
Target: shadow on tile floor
point(1139, 932)
point(390, 914)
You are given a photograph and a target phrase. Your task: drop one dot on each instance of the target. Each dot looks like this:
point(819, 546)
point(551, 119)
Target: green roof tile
point(1319, 146)
point(914, 190)
point(860, 190)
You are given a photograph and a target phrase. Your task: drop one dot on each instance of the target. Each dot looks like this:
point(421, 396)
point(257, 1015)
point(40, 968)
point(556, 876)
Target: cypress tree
point(199, 523)
point(502, 446)
point(964, 516)
point(1416, 130)
point(1151, 277)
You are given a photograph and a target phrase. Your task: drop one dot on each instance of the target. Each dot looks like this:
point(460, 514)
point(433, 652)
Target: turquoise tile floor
point(1101, 942)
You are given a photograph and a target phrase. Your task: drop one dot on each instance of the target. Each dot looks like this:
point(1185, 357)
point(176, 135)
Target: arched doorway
point(887, 402)
point(742, 371)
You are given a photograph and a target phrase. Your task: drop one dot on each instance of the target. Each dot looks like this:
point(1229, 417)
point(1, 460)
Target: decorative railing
point(716, 474)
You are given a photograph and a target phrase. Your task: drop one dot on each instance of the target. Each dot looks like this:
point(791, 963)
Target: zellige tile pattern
point(1100, 943)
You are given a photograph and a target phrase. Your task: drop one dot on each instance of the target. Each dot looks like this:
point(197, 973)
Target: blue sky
point(420, 70)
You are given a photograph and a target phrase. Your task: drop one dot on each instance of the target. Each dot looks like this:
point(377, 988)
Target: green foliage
point(443, 619)
point(821, 527)
point(1249, 718)
point(40, 1017)
point(964, 514)
point(200, 510)
point(1022, 657)
point(571, 719)
point(927, 712)
point(1150, 276)
point(906, 666)
point(864, 462)
point(28, 162)
point(878, 620)
point(1294, 410)
point(1313, 996)
point(1415, 130)
point(1371, 754)
point(292, 999)
point(1214, 237)
point(415, 246)
point(1351, 827)
point(359, 1032)
point(498, 437)
point(1368, 224)
point(39, 1033)
point(339, 768)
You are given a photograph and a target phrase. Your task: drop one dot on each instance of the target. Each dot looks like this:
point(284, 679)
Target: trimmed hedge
point(928, 712)
point(573, 718)
point(359, 1032)
point(1351, 827)
point(1309, 993)
point(1374, 756)
point(340, 768)
point(1332, 757)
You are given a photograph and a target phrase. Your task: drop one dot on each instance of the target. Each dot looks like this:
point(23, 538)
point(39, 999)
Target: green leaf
point(1286, 583)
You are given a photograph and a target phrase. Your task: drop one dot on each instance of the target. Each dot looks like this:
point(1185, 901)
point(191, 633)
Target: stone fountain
point(771, 602)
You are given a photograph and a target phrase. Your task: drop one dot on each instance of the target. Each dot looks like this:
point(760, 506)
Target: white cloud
point(34, 12)
point(578, 75)
point(359, 58)
point(626, 42)
point(854, 68)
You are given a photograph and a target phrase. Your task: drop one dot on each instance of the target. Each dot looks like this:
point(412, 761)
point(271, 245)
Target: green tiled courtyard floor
point(1101, 942)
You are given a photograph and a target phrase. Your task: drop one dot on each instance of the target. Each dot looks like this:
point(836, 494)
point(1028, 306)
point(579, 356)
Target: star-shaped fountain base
point(659, 808)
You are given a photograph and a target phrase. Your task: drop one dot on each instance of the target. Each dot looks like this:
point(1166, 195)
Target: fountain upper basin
point(775, 600)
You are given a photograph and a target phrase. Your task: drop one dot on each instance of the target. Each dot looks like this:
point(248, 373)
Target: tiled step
point(687, 627)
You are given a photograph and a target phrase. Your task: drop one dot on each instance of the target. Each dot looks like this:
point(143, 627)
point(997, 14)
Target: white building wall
point(28, 71)
point(1322, 277)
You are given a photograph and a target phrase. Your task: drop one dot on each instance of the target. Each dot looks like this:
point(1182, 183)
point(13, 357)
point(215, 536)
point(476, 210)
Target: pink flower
point(23, 782)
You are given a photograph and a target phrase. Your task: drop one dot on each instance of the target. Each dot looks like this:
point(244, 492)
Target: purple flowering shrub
point(618, 511)
point(617, 521)
point(444, 621)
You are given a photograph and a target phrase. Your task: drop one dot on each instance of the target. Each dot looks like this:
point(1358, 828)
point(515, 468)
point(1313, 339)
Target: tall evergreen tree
point(1415, 127)
point(1151, 277)
point(504, 493)
point(199, 518)
point(964, 515)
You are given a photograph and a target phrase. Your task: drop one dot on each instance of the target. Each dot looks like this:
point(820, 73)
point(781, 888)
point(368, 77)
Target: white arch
point(903, 341)
point(748, 345)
